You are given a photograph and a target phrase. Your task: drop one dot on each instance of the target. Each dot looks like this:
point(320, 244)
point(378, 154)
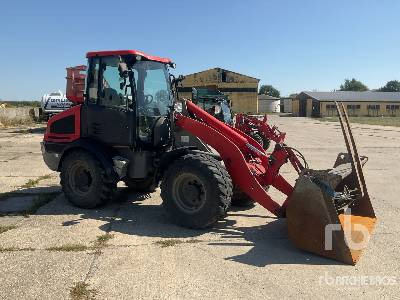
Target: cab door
point(106, 115)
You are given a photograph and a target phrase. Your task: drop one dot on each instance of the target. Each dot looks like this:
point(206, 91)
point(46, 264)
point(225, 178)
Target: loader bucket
point(329, 212)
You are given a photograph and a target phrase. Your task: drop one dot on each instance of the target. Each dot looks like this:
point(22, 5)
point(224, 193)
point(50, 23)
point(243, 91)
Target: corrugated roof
point(367, 96)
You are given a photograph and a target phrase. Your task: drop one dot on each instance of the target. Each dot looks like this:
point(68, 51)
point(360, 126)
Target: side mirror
point(176, 81)
point(123, 70)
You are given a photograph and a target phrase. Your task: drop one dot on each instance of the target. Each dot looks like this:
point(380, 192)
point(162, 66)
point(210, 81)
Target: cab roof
point(128, 52)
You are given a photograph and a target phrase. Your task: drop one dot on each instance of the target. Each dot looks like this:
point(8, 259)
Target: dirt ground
point(130, 249)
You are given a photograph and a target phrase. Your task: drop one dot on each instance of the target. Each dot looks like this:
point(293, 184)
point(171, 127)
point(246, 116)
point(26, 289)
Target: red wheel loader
point(260, 130)
point(121, 129)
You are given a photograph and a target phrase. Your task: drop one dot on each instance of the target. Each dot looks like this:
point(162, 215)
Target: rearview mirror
point(123, 70)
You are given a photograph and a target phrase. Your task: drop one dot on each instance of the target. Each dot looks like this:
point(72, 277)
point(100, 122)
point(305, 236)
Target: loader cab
point(214, 102)
point(128, 100)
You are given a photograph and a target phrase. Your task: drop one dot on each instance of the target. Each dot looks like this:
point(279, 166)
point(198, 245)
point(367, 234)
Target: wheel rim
point(80, 179)
point(189, 193)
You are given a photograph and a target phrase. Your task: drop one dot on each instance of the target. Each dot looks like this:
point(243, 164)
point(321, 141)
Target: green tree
point(391, 86)
point(353, 85)
point(269, 90)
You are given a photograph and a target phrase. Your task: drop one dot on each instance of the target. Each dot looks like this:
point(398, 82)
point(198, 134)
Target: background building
point(241, 89)
point(322, 104)
point(268, 104)
point(286, 104)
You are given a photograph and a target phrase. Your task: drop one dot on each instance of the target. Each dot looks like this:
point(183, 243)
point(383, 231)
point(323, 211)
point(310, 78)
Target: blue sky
point(293, 45)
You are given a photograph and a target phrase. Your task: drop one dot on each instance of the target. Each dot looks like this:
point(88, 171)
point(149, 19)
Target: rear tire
point(240, 198)
point(196, 191)
point(84, 180)
point(266, 142)
point(145, 185)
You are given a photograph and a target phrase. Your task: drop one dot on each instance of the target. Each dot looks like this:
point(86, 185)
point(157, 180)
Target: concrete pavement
point(45, 253)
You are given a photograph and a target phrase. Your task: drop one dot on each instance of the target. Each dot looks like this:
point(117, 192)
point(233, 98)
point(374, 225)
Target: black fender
point(170, 156)
point(98, 150)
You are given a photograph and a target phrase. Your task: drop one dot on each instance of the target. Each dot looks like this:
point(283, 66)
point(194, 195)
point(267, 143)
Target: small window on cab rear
point(93, 80)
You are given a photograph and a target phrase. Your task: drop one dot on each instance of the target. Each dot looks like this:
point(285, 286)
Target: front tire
point(196, 191)
point(84, 180)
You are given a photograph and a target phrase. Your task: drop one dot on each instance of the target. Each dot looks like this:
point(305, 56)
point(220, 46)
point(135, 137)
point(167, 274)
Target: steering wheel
point(148, 99)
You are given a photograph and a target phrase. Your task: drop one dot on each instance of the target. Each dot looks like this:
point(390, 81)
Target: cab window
point(152, 88)
point(112, 94)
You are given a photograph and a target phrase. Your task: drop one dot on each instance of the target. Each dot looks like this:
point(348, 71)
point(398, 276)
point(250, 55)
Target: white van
point(54, 103)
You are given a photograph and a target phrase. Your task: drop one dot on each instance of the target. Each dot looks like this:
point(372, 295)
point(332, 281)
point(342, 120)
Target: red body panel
point(65, 137)
point(128, 52)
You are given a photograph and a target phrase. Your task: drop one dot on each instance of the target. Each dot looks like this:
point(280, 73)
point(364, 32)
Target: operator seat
point(111, 98)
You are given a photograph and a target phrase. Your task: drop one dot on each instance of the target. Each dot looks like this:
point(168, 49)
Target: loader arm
point(246, 161)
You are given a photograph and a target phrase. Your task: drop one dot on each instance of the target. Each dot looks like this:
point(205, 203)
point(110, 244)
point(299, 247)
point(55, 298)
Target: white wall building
point(268, 104)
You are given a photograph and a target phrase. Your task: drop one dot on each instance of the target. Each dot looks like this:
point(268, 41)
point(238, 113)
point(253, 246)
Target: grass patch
point(81, 291)
point(382, 121)
point(174, 242)
point(102, 240)
point(100, 243)
point(13, 249)
point(69, 248)
point(30, 183)
point(20, 103)
point(6, 228)
point(62, 248)
point(7, 122)
point(34, 182)
point(39, 201)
